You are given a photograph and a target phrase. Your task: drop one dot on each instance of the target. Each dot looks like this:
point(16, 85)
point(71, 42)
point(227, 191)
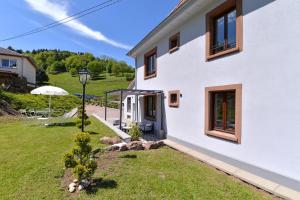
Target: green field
point(94, 87)
point(31, 167)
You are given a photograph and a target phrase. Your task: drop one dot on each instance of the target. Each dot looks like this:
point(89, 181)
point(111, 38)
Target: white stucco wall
point(268, 68)
point(24, 68)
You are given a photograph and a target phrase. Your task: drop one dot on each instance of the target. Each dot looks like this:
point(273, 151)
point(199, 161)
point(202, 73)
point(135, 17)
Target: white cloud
point(59, 11)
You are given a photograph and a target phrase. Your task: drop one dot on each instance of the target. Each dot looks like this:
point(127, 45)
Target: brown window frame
point(209, 129)
point(146, 114)
point(171, 39)
point(176, 104)
point(146, 56)
point(222, 9)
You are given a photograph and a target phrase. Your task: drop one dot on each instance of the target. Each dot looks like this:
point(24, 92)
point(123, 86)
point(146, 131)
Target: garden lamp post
point(83, 78)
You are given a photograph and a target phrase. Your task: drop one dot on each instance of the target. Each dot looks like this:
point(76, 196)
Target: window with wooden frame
point(174, 43)
point(223, 106)
point(150, 63)
point(150, 107)
point(174, 97)
point(224, 29)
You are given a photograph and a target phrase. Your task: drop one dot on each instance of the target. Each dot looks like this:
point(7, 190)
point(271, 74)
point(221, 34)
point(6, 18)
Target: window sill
point(223, 135)
point(223, 53)
point(174, 105)
point(150, 76)
point(173, 50)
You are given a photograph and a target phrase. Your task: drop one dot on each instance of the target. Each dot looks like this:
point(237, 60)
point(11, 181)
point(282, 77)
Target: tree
point(80, 158)
point(95, 68)
point(116, 69)
point(41, 76)
point(76, 61)
point(57, 66)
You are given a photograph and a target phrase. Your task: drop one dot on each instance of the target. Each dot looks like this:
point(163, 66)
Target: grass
point(94, 87)
point(31, 168)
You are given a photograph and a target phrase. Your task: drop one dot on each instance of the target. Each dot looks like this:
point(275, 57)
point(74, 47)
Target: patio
point(117, 120)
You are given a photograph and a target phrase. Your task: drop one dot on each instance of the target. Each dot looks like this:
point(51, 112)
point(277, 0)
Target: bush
point(80, 159)
point(73, 72)
point(129, 76)
point(135, 132)
point(59, 104)
point(95, 68)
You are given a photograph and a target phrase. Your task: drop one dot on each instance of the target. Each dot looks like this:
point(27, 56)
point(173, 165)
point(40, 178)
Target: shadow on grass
point(61, 124)
point(92, 133)
point(100, 183)
point(129, 156)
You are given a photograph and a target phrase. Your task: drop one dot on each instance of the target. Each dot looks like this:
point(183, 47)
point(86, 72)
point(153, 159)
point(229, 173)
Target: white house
point(229, 71)
point(15, 64)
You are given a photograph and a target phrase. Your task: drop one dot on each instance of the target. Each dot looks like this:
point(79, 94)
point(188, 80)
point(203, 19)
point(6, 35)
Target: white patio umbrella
point(50, 91)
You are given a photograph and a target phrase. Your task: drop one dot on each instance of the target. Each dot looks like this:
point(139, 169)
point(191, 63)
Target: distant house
point(222, 77)
point(13, 64)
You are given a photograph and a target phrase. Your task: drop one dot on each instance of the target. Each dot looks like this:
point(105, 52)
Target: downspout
point(135, 63)
point(22, 65)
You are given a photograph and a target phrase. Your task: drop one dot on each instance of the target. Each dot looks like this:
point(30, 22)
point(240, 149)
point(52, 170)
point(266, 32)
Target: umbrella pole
point(49, 115)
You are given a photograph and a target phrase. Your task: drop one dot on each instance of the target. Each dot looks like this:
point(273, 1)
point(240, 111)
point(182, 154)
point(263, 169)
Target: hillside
point(94, 87)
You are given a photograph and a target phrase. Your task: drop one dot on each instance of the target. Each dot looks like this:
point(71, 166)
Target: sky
point(112, 31)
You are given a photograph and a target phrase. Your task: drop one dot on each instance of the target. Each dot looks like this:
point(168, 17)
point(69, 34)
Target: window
point(174, 97)
point(224, 29)
point(174, 43)
point(7, 63)
point(150, 107)
point(150, 64)
point(128, 104)
point(223, 112)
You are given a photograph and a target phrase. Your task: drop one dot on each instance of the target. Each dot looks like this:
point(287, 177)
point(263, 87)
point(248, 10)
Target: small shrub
point(135, 132)
point(80, 159)
point(79, 119)
point(129, 76)
point(73, 72)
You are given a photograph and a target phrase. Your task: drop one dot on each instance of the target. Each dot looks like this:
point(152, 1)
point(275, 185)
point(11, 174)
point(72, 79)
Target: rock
point(106, 140)
point(75, 181)
point(123, 148)
point(113, 148)
point(116, 140)
point(148, 145)
point(153, 145)
point(72, 185)
point(135, 145)
point(80, 187)
point(72, 189)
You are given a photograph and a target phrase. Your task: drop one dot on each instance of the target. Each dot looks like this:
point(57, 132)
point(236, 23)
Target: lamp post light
point(83, 78)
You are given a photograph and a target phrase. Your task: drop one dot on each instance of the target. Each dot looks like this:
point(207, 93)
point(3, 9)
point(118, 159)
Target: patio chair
point(146, 127)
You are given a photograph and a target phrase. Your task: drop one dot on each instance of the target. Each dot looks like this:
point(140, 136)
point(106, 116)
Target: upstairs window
point(174, 97)
point(150, 64)
point(174, 43)
point(224, 29)
point(224, 32)
point(150, 107)
point(8, 63)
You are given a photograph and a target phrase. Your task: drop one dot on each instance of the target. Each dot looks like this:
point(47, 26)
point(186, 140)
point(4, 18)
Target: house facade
point(229, 70)
point(13, 64)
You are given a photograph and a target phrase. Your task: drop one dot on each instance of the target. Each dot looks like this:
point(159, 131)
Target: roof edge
point(159, 26)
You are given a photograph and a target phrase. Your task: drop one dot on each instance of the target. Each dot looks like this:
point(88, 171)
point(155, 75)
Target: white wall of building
point(24, 68)
point(269, 70)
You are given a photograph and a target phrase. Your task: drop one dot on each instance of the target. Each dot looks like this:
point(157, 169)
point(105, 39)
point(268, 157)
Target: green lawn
point(31, 168)
point(94, 87)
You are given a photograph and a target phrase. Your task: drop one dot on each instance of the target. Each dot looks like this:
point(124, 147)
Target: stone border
point(265, 184)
